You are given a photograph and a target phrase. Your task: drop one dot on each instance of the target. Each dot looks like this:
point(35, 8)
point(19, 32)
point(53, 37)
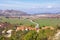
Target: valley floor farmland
point(42, 22)
point(48, 22)
point(17, 21)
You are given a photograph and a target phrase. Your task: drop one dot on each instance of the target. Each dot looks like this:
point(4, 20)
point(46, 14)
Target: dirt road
point(37, 25)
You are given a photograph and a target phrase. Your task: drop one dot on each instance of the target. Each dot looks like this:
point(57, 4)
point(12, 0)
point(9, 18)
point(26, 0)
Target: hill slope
point(12, 13)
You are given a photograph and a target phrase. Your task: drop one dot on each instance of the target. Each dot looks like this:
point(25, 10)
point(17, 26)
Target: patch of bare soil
point(57, 35)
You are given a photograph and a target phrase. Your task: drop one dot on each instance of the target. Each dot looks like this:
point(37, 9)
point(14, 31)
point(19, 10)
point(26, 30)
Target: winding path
point(37, 25)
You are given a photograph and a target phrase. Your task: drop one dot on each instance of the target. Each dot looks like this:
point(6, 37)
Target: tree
point(41, 35)
point(30, 35)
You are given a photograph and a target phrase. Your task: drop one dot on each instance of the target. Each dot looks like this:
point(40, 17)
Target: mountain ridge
point(12, 13)
point(22, 13)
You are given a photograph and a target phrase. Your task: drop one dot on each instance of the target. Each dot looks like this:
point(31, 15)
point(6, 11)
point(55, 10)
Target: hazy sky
point(32, 6)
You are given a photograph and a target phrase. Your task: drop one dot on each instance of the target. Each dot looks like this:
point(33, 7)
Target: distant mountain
point(12, 13)
point(17, 13)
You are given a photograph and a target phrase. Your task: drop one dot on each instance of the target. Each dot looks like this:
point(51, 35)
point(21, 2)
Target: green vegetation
point(48, 22)
point(30, 35)
point(17, 21)
point(42, 22)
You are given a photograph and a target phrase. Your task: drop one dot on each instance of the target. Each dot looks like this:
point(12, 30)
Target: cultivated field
point(48, 22)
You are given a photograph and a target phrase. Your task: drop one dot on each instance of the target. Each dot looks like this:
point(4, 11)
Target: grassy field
point(41, 22)
point(17, 21)
point(48, 22)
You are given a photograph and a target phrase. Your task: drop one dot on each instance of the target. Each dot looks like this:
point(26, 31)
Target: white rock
point(3, 31)
point(9, 31)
